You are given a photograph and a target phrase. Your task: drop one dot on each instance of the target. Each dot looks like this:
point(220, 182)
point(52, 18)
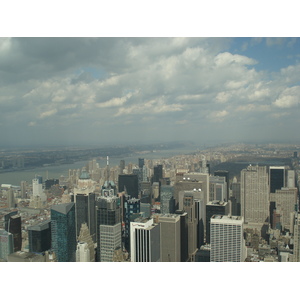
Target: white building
point(144, 241)
point(226, 239)
point(82, 252)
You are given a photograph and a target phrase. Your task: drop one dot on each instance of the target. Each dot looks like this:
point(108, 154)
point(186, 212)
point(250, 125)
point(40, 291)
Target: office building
point(63, 232)
point(13, 224)
point(131, 206)
point(236, 199)
point(226, 239)
point(6, 244)
point(39, 237)
point(214, 208)
point(217, 188)
point(225, 174)
point(82, 252)
point(203, 254)
point(141, 162)
point(129, 184)
point(291, 179)
point(84, 201)
point(122, 166)
point(189, 182)
point(285, 200)
point(167, 202)
point(157, 173)
point(169, 237)
point(183, 235)
point(85, 238)
point(255, 196)
point(50, 182)
point(109, 227)
point(277, 178)
point(145, 241)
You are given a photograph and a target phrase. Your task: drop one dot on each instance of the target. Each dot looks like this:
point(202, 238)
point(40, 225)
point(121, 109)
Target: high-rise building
point(129, 184)
point(167, 202)
point(141, 162)
point(82, 252)
point(39, 237)
point(85, 210)
point(157, 173)
point(226, 239)
point(225, 174)
point(286, 200)
point(255, 196)
point(109, 228)
point(10, 198)
point(217, 188)
point(131, 206)
point(189, 182)
point(169, 237)
point(122, 166)
point(145, 241)
point(277, 178)
point(290, 179)
point(86, 238)
point(63, 232)
point(214, 208)
point(236, 199)
point(13, 224)
point(184, 253)
point(6, 244)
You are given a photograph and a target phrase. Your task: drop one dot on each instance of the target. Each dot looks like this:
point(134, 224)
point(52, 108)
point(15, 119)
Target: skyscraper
point(169, 237)
point(255, 196)
point(145, 241)
point(129, 183)
point(226, 239)
point(225, 174)
point(63, 232)
point(85, 238)
point(214, 208)
point(39, 236)
point(277, 178)
point(167, 202)
point(157, 173)
point(6, 244)
point(13, 224)
point(109, 227)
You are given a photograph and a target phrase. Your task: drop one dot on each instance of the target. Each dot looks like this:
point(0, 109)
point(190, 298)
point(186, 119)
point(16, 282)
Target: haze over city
point(77, 91)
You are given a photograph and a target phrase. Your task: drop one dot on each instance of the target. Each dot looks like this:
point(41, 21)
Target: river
point(16, 177)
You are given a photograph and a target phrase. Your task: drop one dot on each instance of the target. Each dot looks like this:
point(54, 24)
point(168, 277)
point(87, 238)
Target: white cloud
point(48, 113)
point(290, 97)
point(226, 58)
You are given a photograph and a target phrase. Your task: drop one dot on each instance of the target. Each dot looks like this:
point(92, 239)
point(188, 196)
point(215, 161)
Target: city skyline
point(76, 91)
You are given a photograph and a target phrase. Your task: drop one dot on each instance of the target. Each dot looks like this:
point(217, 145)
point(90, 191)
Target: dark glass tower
point(63, 232)
point(157, 173)
point(129, 183)
point(276, 178)
point(13, 225)
point(108, 211)
point(39, 237)
point(85, 212)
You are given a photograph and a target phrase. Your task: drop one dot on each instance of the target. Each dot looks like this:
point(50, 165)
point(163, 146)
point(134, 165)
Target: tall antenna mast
point(107, 169)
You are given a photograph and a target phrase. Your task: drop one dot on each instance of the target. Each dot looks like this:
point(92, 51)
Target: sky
point(79, 91)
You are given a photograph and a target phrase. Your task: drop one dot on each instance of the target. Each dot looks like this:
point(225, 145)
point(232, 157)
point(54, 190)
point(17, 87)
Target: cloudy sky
point(75, 91)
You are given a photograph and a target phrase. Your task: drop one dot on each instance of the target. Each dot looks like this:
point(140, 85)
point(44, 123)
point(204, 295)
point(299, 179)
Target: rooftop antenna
point(107, 169)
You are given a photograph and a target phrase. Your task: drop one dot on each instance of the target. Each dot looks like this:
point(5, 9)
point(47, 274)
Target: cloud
point(290, 97)
point(48, 113)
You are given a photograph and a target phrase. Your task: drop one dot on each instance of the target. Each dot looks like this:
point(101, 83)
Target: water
point(16, 177)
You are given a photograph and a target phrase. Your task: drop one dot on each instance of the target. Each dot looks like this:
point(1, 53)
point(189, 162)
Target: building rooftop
point(63, 208)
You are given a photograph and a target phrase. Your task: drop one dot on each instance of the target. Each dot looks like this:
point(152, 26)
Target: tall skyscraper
point(85, 238)
point(6, 244)
point(214, 208)
point(13, 224)
point(82, 252)
point(109, 227)
point(63, 232)
point(290, 179)
point(169, 237)
point(131, 206)
point(129, 184)
point(223, 173)
point(167, 202)
point(141, 162)
point(226, 239)
point(217, 188)
point(255, 196)
point(157, 173)
point(285, 201)
point(39, 237)
point(145, 241)
point(277, 178)
point(85, 210)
